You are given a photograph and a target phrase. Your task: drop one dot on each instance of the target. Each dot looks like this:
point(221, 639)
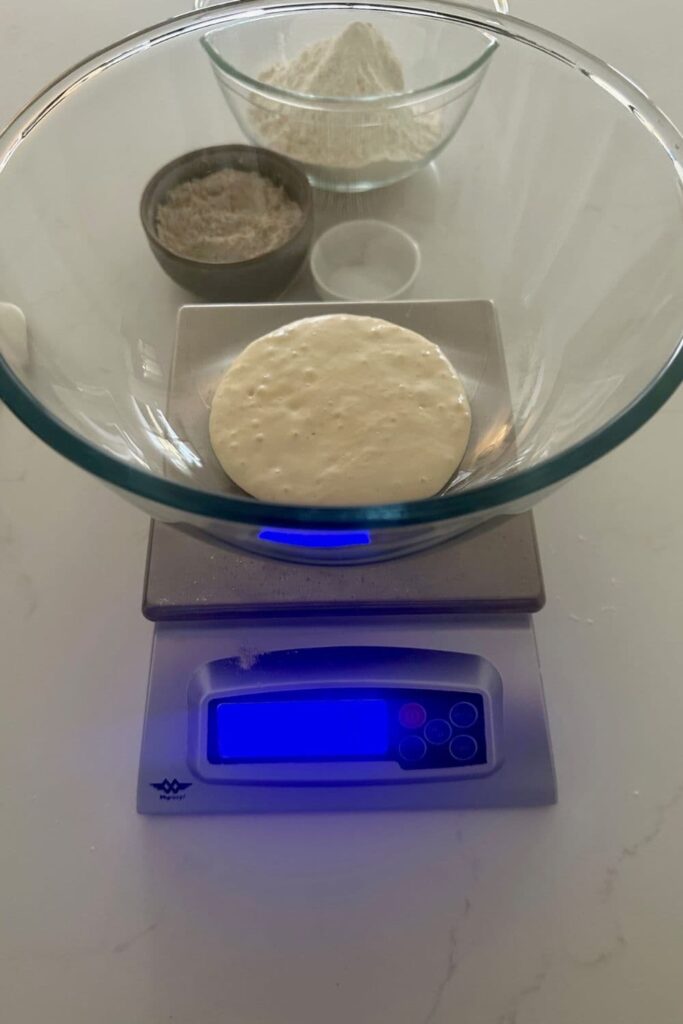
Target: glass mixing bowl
point(350, 143)
point(561, 204)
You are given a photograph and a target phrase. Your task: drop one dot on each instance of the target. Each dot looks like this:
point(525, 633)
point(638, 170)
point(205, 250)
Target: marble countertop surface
point(569, 915)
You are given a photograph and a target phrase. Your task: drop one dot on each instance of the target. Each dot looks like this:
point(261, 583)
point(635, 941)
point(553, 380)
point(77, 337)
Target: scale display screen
point(417, 728)
point(301, 729)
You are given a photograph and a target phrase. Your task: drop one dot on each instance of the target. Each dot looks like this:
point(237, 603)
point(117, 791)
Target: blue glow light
point(301, 729)
point(315, 538)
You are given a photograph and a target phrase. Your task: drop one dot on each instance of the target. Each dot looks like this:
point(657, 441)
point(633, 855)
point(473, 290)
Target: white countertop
point(570, 915)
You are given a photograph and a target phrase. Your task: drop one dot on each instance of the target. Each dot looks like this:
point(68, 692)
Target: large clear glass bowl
point(349, 143)
point(561, 203)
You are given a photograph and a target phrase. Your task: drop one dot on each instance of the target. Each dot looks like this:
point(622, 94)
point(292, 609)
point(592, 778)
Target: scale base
point(525, 778)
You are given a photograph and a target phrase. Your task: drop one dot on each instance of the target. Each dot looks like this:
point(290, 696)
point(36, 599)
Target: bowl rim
point(147, 212)
point(341, 104)
point(490, 496)
point(385, 225)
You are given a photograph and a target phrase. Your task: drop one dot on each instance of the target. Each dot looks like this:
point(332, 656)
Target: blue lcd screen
point(315, 538)
point(301, 729)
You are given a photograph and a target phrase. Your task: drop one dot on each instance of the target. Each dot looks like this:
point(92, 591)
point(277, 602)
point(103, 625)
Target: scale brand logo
point(172, 790)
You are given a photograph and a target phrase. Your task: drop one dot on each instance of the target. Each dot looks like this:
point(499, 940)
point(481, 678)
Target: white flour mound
point(359, 62)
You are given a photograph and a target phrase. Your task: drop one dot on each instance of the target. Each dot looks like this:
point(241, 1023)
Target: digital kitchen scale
point(260, 702)
point(278, 686)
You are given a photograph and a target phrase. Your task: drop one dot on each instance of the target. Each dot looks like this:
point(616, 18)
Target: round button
point(463, 748)
point(463, 715)
point(438, 731)
point(412, 748)
point(412, 716)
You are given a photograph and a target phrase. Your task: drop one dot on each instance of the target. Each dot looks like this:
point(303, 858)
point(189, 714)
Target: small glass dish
point(359, 260)
point(351, 143)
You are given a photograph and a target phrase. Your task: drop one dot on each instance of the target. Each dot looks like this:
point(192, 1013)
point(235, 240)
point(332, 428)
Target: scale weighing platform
point(280, 686)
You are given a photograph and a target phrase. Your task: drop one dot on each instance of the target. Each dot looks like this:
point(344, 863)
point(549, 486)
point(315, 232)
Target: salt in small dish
point(364, 260)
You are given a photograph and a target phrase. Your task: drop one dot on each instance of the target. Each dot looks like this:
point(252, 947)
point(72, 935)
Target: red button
point(412, 716)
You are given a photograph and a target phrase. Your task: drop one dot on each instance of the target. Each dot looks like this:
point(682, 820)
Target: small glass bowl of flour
point(229, 223)
point(359, 99)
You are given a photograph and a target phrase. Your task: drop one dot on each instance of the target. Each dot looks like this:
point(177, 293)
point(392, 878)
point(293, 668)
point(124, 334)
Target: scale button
point(412, 748)
point(463, 748)
point(412, 716)
point(463, 715)
point(438, 731)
